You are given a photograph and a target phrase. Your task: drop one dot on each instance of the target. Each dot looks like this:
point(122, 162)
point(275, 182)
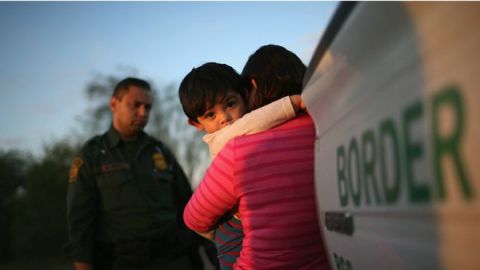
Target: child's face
point(221, 114)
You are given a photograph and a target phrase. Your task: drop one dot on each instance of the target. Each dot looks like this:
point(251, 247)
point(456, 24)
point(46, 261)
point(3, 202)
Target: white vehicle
point(394, 90)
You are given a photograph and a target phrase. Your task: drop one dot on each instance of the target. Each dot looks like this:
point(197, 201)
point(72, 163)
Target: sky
point(50, 51)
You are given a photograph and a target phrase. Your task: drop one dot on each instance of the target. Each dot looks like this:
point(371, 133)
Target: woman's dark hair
point(207, 85)
point(277, 72)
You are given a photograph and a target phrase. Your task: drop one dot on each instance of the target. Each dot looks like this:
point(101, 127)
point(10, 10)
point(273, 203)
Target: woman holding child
point(267, 176)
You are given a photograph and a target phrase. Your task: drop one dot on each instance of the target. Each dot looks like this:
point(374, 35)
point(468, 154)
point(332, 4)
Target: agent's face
point(221, 114)
point(130, 112)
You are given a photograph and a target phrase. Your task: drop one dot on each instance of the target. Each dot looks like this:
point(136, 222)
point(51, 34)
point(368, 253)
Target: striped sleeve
point(214, 196)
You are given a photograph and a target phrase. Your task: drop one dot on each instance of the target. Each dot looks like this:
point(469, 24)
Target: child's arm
point(255, 121)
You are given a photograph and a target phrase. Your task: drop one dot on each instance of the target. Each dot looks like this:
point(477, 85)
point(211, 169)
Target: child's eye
point(209, 115)
point(231, 104)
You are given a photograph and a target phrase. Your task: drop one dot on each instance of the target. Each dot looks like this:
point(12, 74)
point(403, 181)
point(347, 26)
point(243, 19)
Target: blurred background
point(59, 62)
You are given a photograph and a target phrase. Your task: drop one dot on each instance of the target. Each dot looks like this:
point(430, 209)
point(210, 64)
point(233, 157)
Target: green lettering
point(449, 145)
point(353, 151)
point(387, 130)
point(368, 146)
point(342, 182)
point(418, 193)
point(338, 263)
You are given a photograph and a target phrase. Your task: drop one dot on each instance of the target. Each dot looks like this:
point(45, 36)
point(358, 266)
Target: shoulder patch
point(159, 160)
point(74, 169)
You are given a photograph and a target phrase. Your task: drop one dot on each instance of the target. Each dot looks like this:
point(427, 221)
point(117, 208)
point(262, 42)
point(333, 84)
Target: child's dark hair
point(207, 85)
point(277, 72)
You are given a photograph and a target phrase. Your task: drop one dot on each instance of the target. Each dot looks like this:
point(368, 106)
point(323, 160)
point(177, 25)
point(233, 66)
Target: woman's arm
point(214, 196)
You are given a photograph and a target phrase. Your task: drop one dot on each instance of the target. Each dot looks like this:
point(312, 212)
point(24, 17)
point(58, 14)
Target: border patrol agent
point(126, 195)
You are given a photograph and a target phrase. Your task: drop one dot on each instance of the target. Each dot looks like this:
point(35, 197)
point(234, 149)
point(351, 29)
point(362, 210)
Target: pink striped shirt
point(270, 176)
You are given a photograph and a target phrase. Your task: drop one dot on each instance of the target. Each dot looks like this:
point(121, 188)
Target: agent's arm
point(82, 198)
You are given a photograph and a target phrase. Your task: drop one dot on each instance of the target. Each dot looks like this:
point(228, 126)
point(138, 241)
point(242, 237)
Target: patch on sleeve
point(159, 160)
point(74, 169)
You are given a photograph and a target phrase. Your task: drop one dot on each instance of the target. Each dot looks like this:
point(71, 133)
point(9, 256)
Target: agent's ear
point(113, 103)
point(195, 124)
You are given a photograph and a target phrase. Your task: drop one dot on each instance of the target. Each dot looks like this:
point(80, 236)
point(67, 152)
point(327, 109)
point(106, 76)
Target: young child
point(214, 97)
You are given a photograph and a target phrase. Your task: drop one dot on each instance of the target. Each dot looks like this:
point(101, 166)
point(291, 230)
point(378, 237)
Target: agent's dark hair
point(277, 71)
point(122, 87)
point(206, 86)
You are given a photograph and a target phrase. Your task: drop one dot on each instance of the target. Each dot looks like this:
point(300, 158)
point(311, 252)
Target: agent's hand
point(82, 266)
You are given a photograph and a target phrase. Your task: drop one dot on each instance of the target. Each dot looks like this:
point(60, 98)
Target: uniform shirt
point(271, 176)
point(121, 191)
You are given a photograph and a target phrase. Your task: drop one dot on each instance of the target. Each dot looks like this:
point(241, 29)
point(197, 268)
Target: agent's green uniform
point(124, 206)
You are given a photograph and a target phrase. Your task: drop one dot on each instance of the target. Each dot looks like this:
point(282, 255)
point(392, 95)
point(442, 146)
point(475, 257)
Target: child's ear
point(195, 124)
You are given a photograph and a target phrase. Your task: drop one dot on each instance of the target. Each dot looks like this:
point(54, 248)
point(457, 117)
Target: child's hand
point(297, 103)
point(210, 235)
